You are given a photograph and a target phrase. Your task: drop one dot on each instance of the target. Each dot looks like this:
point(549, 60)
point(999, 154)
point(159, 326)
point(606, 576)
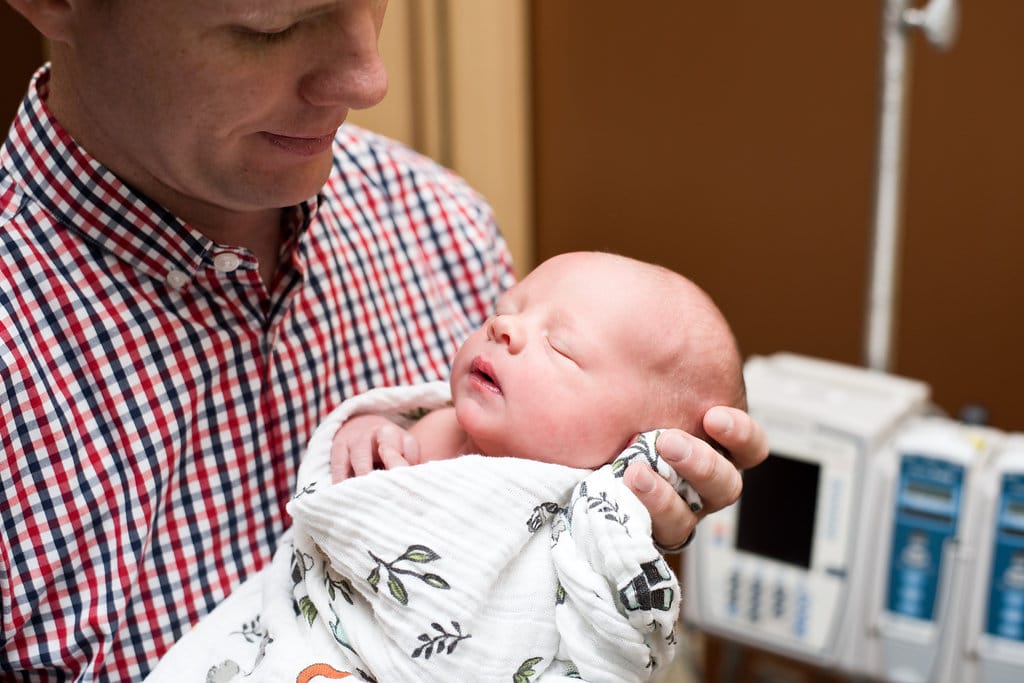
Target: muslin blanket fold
point(471, 569)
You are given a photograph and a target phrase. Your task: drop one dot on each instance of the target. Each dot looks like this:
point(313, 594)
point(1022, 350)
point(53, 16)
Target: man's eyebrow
point(273, 12)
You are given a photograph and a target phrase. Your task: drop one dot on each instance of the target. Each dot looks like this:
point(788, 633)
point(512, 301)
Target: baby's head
point(697, 364)
point(589, 350)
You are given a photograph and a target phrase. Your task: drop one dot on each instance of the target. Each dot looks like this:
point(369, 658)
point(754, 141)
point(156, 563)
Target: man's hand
point(370, 442)
point(711, 474)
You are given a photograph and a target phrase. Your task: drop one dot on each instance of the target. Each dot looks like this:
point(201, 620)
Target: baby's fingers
point(341, 461)
point(352, 448)
point(396, 448)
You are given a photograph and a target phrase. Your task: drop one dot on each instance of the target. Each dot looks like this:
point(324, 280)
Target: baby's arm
point(372, 442)
point(439, 435)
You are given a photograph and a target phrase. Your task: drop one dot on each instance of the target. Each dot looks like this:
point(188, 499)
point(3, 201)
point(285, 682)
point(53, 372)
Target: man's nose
point(347, 69)
point(504, 329)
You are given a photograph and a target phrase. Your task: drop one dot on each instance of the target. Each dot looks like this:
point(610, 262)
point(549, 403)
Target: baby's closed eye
point(561, 348)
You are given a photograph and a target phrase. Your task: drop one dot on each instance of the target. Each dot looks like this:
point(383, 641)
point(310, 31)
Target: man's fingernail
point(677, 447)
point(643, 481)
point(719, 421)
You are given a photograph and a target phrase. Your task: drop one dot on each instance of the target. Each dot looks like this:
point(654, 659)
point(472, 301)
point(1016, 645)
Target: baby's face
point(557, 373)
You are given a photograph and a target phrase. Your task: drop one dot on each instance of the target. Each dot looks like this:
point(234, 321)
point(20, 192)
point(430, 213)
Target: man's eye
point(260, 36)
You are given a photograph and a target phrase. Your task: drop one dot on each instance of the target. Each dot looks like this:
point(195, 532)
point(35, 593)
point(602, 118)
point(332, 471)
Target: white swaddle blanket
point(470, 569)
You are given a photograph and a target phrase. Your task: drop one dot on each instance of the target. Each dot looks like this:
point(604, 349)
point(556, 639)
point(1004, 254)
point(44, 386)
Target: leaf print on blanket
point(415, 414)
point(444, 642)
point(254, 633)
point(601, 505)
point(643, 448)
point(301, 603)
point(419, 554)
point(336, 584)
point(542, 514)
point(305, 490)
point(525, 671)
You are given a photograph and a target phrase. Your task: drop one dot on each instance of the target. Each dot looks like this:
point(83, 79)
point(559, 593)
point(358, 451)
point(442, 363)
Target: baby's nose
point(504, 330)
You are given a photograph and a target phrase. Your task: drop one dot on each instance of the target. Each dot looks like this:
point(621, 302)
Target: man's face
point(560, 373)
point(218, 104)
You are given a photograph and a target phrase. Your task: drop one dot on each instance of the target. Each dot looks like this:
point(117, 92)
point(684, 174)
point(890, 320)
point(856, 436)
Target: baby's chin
point(481, 442)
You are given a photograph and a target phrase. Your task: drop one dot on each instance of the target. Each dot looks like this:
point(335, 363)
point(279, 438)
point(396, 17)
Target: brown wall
point(735, 142)
point(22, 53)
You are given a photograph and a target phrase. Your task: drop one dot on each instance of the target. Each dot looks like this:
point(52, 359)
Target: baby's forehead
point(598, 271)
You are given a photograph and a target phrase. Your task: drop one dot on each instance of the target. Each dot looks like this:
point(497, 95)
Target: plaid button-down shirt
point(155, 398)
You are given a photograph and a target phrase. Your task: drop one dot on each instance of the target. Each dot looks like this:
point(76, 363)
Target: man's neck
point(259, 232)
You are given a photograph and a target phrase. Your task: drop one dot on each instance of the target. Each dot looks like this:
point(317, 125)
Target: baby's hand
point(371, 442)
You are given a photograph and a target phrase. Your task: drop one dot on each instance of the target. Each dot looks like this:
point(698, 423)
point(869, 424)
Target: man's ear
point(52, 18)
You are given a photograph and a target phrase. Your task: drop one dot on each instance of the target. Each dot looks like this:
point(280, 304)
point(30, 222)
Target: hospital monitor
point(778, 569)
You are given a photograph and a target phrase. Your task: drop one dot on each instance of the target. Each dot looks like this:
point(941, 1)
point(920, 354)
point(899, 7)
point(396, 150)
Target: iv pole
point(938, 20)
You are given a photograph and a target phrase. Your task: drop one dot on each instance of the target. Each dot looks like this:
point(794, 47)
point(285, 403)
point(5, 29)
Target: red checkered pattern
point(155, 398)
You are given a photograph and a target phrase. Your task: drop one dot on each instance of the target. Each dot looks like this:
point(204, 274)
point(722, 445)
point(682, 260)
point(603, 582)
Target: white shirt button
point(177, 279)
point(226, 262)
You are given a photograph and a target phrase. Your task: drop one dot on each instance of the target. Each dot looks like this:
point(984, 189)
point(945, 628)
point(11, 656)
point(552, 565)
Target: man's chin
point(283, 194)
point(281, 187)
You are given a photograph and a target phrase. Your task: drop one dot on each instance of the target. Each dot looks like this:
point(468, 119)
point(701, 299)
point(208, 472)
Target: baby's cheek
point(580, 443)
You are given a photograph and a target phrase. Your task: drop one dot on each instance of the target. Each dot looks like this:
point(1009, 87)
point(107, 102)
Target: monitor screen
point(777, 510)
point(933, 494)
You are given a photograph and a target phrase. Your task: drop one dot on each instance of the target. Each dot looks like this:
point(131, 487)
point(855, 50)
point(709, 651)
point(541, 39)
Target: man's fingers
point(671, 518)
point(739, 434)
point(715, 477)
point(712, 476)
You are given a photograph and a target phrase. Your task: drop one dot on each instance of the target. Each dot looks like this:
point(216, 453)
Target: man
point(196, 264)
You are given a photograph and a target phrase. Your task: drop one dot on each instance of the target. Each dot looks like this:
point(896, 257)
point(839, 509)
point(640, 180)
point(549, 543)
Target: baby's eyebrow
point(564, 320)
point(511, 298)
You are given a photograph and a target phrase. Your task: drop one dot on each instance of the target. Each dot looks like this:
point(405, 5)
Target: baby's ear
point(52, 18)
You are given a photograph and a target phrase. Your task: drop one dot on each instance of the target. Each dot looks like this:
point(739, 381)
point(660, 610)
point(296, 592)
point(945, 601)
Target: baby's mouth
point(482, 371)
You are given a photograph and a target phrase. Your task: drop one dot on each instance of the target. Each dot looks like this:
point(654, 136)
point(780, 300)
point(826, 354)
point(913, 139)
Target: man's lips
point(482, 374)
point(301, 145)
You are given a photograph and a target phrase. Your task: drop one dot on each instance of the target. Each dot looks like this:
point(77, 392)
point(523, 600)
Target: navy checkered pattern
point(155, 398)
